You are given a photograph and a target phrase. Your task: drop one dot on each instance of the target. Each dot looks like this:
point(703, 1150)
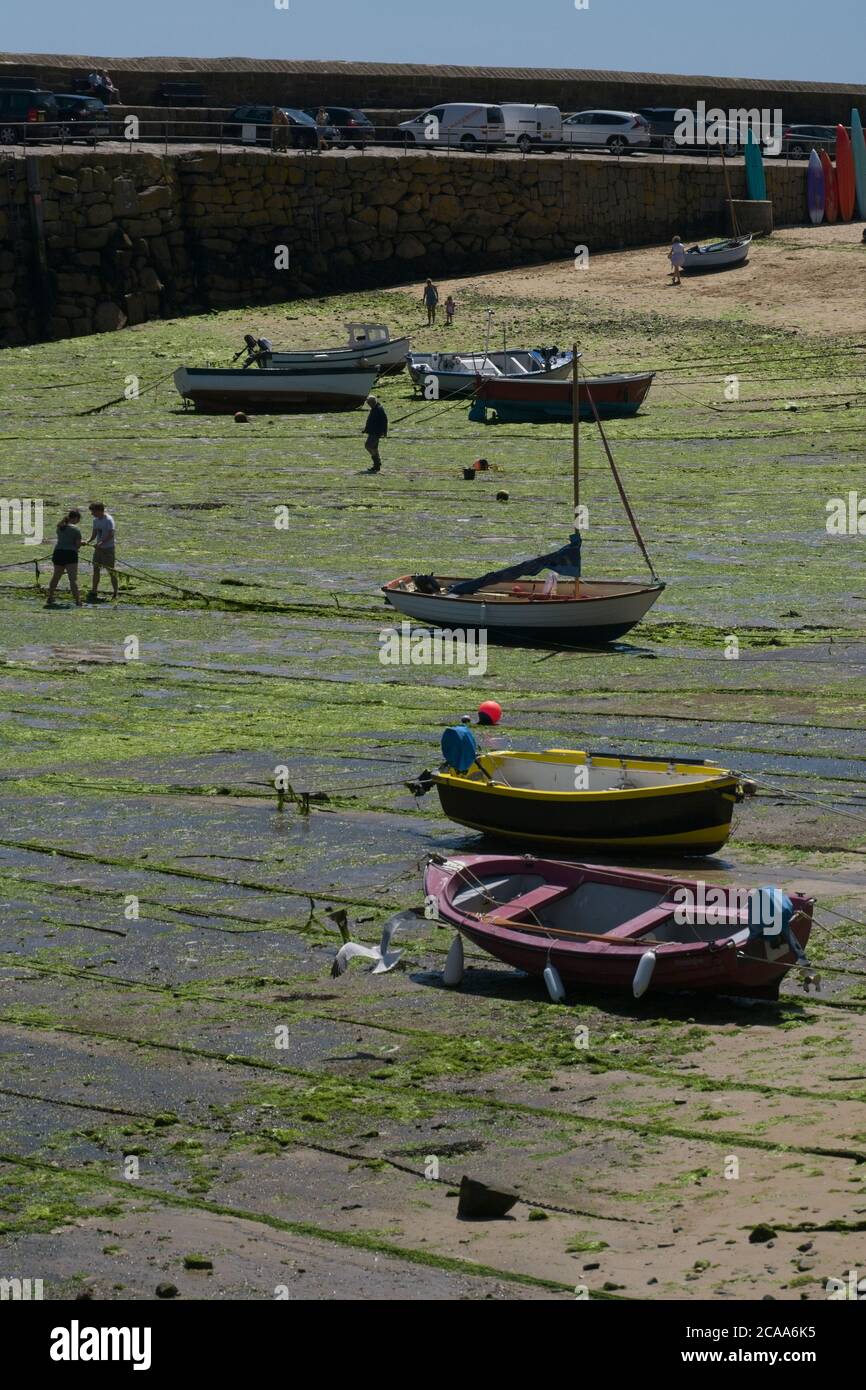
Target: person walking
point(431, 299)
point(677, 258)
point(375, 429)
point(65, 556)
point(102, 539)
point(450, 308)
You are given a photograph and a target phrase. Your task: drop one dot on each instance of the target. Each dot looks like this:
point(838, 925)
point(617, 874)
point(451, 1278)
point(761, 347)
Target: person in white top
point(102, 538)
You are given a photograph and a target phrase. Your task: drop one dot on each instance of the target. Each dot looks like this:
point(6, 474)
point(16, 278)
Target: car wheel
point(797, 152)
point(64, 132)
point(468, 141)
point(731, 151)
point(669, 144)
point(616, 144)
point(8, 135)
point(524, 144)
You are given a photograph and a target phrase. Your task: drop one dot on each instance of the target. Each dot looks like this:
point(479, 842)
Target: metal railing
point(131, 134)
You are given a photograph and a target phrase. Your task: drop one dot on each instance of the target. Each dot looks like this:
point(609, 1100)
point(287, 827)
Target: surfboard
point(858, 150)
point(831, 193)
point(844, 174)
point(815, 188)
point(756, 182)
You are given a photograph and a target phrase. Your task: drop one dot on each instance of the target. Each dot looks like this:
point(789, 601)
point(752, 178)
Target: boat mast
point(734, 223)
point(575, 429)
point(575, 438)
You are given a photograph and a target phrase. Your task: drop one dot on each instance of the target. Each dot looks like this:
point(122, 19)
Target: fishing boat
point(620, 929)
point(273, 390)
point(511, 605)
point(369, 345)
point(518, 401)
point(718, 255)
point(586, 801)
point(455, 373)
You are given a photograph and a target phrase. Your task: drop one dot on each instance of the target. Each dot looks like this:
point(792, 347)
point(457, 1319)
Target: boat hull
point(594, 620)
point(516, 402)
point(386, 358)
point(273, 391)
point(690, 821)
point(610, 960)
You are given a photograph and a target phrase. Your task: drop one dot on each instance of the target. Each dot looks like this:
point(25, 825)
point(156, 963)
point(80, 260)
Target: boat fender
point(555, 987)
point(643, 975)
point(452, 975)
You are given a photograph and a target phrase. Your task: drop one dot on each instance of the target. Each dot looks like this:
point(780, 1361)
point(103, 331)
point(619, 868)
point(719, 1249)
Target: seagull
point(384, 957)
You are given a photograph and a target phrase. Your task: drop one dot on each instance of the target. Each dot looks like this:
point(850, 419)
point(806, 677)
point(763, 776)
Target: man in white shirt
point(102, 539)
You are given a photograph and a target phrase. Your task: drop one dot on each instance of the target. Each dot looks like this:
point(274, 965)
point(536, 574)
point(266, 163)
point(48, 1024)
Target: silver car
point(617, 131)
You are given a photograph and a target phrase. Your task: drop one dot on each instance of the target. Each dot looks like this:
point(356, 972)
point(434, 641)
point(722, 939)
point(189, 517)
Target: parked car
point(252, 125)
point(799, 140)
point(663, 123)
point(27, 113)
point(470, 124)
point(532, 127)
point(82, 118)
point(617, 131)
point(352, 126)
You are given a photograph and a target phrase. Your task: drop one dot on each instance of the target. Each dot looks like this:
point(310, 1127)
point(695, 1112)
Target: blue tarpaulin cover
point(459, 748)
point(565, 561)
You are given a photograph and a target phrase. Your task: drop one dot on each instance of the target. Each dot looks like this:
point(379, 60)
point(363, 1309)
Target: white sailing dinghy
point(511, 605)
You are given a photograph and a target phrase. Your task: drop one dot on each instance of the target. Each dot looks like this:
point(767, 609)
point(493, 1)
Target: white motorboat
point(369, 345)
point(273, 390)
point(456, 373)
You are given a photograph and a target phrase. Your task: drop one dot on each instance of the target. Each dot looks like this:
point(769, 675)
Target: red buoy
point(489, 712)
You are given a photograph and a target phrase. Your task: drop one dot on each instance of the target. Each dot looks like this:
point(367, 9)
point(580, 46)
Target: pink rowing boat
point(621, 929)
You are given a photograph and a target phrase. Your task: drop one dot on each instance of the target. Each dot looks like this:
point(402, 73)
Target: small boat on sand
point(456, 373)
point(534, 400)
point(582, 801)
point(273, 390)
point(580, 924)
point(718, 255)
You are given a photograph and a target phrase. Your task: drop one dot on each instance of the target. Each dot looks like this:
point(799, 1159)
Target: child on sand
point(677, 258)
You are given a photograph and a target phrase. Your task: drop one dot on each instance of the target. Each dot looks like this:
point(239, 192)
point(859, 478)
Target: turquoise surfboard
point(756, 183)
point(858, 149)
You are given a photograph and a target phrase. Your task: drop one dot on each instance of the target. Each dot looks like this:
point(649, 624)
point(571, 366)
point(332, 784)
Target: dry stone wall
point(91, 241)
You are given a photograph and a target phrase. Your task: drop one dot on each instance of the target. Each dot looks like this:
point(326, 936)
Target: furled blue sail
point(565, 561)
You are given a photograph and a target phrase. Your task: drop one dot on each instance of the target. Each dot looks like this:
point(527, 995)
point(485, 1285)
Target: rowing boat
point(273, 390)
point(518, 401)
point(582, 801)
point(580, 924)
point(441, 375)
point(369, 345)
point(719, 255)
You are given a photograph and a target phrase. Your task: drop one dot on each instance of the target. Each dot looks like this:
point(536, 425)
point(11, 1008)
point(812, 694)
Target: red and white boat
point(619, 928)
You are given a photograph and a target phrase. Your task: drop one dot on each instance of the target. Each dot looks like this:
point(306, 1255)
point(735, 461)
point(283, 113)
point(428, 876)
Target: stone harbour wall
point(91, 241)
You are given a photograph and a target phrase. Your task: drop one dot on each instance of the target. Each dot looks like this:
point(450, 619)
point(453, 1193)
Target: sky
point(795, 39)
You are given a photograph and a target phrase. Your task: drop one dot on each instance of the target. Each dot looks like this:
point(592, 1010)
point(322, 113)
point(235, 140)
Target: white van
point(528, 126)
point(457, 123)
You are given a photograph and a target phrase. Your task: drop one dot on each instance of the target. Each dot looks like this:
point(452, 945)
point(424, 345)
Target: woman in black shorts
point(65, 557)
